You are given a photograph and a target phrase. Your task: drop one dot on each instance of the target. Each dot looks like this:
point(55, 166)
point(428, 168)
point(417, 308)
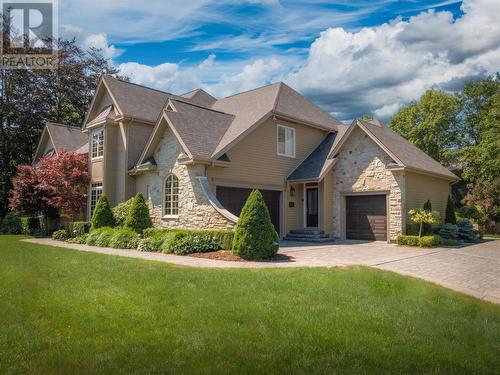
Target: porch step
point(308, 235)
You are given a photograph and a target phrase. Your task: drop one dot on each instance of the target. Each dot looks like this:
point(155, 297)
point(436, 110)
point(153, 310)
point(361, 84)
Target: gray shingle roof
point(200, 129)
point(312, 166)
point(251, 106)
point(66, 137)
point(200, 97)
point(138, 101)
point(409, 154)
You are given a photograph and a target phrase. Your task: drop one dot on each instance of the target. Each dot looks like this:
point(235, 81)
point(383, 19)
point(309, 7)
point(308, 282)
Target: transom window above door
point(286, 141)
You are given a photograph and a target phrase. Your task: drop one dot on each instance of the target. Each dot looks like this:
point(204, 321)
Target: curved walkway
point(472, 269)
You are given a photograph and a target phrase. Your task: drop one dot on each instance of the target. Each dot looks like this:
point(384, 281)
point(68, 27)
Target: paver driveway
point(472, 269)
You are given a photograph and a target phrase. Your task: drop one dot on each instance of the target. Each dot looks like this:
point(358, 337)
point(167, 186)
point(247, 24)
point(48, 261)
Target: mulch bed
point(228, 256)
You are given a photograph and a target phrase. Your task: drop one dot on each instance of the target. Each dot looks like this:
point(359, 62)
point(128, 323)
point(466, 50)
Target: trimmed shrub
point(77, 228)
point(12, 224)
point(120, 212)
point(193, 243)
point(429, 241)
point(450, 216)
point(124, 238)
point(102, 216)
point(94, 235)
point(138, 215)
point(408, 240)
point(170, 238)
point(223, 237)
point(150, 244)
point(425, 241)
point(30, 225)
point(470, 212)
point(427, 228)
point(448, 242)
point(61, 235)
point(466, 231)
point(105, 237)
point(449, 231)
point(81, 240)
point(255, 237)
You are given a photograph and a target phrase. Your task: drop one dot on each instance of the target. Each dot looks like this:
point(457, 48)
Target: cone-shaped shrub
point(427, 228)
point(138, 214)
point(102, 216)
point(255, 237)
point(450, 216)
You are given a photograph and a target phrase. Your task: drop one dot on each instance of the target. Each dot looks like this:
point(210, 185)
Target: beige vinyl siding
point(294, 215)
point(255, 160)
point(420, 188)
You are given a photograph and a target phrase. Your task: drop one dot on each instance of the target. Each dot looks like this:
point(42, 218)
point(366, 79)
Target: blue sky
point(251, 20)
point(350, 57)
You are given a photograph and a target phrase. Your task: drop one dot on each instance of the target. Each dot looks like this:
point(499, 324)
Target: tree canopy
point(30, 98)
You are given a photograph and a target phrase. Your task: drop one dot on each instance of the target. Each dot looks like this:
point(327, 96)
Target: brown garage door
point(233, 199)
point(366, 217)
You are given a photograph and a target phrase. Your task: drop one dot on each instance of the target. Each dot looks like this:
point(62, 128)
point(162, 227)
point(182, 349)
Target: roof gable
point(61, 137)
point(200, 97)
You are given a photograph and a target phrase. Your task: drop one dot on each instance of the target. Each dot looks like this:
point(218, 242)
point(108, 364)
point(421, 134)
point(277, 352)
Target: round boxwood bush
point(138, 215)
point(255, 237)
point(124, 238)
point(102, 216)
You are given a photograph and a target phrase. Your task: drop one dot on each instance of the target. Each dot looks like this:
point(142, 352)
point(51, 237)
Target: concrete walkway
point(472, 269)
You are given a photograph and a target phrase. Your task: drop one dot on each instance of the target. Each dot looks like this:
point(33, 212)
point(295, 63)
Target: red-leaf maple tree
point(58, 181)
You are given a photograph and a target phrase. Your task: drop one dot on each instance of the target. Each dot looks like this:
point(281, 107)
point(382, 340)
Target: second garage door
point(233, 199)
point(366, 217)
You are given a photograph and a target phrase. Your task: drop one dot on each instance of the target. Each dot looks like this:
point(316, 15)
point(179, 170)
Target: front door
point(312, 207)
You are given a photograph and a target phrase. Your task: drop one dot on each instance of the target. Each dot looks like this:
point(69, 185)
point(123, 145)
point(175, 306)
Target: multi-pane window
point(171, 206)
point(95, 194)
point(97, 143)
point(286, 141)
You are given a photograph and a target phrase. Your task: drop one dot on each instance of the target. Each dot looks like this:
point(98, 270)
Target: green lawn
point(69, 312)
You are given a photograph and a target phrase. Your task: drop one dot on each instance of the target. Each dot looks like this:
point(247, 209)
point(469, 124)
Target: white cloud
point(374, 70)
point(208, 62)
point(100, 41)
point(378, 69)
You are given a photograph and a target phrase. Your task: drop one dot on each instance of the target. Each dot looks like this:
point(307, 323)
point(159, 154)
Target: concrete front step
point(306, 239)
point(296, 235)
point(307, 231)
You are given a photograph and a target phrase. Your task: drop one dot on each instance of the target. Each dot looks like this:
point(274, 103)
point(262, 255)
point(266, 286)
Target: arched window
point(171, 188)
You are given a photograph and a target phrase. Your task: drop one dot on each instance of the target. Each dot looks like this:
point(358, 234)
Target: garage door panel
point(233, 199)
point(366, 217)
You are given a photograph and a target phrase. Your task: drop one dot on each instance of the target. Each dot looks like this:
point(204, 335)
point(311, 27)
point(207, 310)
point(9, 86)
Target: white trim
point(278, 126)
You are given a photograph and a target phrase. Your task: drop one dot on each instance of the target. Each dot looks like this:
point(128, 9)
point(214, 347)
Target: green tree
point(102, 215)
point(255, 236)
point(431, 124)
point(450, 216)
point(422, 217)
point(138, 217)
point(427, 207)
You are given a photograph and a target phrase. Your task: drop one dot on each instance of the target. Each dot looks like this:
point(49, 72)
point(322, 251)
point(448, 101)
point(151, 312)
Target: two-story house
point(196, 158)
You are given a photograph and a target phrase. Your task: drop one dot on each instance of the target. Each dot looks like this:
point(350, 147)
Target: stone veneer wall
point(195, 210)
point(361, 167)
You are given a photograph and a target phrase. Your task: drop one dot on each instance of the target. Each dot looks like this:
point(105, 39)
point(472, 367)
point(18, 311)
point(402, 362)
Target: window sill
point(170, 217)
point(97, 158)
point(286, 156)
